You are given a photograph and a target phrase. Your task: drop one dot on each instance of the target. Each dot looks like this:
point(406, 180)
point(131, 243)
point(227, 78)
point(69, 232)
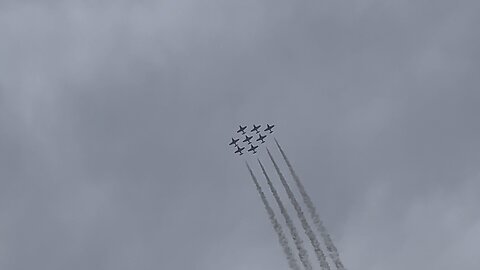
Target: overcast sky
point(115, 118)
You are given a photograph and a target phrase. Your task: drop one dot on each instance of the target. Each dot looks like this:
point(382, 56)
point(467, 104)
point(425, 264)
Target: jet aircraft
point(247, 139)
point(239, 150)
point(255, 128)
point(261, 138)
point(241, 129)
point(269, 128)
point(234, 141)
point(252, 148)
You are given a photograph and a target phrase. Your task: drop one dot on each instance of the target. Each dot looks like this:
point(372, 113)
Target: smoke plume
point(302, 252)
point(292, 262)
point(308, 230)
point(332, 250)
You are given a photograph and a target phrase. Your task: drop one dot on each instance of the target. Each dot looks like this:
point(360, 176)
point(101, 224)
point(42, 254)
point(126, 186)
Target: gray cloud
point(115, 118)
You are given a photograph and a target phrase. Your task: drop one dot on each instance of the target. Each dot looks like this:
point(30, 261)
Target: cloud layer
point(115, 118)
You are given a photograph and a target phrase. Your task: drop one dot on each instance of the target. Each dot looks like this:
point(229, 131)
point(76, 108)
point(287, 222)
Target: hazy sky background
point(115, 118)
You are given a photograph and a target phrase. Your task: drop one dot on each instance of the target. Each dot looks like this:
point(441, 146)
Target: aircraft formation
point(247, 140)
point(255, 134)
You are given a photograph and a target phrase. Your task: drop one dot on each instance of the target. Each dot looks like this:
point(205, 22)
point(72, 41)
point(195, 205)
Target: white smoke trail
point(292, 262)
point(332, 250)
point(302, 252)
point(308, 230)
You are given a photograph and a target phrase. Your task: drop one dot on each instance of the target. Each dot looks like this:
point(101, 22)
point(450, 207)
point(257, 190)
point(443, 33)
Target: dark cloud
point(115, 118)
